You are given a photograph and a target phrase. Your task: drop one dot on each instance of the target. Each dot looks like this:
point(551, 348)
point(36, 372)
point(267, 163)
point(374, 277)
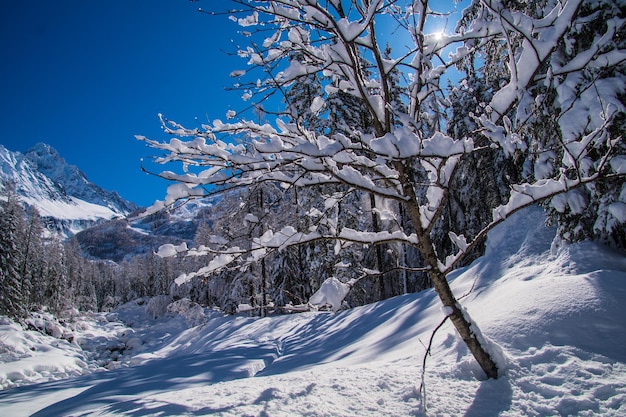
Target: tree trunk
point(379, 250)
point(460, 321)
point(442, 287)
point(462, 325)
point(263, 288)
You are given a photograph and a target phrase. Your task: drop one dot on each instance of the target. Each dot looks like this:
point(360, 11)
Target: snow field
point(556, 311)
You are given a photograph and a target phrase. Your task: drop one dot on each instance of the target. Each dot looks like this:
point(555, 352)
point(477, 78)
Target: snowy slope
point(60, 192)
point(73, 180)
point(556, 311)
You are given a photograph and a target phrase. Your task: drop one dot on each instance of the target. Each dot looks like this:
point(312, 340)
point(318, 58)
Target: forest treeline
point(42, 271)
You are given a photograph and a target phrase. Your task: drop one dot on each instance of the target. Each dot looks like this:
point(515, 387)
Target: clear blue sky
point(85, 76)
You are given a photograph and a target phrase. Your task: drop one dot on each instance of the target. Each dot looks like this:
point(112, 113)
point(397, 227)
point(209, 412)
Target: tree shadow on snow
point(119, 390)
point(329, 337)
point(492, 398)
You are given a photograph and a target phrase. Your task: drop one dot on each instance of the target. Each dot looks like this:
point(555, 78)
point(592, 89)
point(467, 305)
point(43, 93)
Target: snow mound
point(330, 295)
point(49, 350)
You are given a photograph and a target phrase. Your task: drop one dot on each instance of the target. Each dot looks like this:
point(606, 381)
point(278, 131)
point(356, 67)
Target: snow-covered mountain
point(64, 197)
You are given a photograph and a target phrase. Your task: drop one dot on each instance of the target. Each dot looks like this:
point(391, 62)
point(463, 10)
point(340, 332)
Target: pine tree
point(57, 285)
point(11, 284)
point(33, 249)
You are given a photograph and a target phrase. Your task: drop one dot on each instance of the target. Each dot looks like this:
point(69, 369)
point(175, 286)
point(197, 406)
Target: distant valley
point(107, 226)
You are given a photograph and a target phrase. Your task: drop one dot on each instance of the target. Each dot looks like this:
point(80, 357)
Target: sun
point(438, 35)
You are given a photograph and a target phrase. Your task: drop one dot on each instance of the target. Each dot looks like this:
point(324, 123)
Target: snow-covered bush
point(158, 306)
point(110, 303)
point(330, 295)
point(192, 312)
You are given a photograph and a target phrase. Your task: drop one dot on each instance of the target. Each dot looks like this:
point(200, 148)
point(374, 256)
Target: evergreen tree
point(33, 249)
point(12, 285)
point(57, 293)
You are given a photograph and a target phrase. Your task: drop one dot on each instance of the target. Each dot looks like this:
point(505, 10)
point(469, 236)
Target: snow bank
point(51, 350)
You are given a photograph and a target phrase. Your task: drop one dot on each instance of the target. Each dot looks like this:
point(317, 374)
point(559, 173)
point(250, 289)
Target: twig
point(422, 388)
point(470, 290)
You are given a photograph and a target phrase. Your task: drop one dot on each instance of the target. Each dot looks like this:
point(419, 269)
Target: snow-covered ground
point(556, 311)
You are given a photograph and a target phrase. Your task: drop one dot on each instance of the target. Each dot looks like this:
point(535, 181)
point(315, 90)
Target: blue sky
point(85, 76)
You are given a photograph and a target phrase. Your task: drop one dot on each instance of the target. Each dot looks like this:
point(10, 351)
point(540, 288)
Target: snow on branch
point(536, 47)
point(523, 196)
point(380, 121)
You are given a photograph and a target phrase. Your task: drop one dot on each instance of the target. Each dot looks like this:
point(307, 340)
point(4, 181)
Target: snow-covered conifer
point(31, 266)
point(12, 286)
point(58, 296)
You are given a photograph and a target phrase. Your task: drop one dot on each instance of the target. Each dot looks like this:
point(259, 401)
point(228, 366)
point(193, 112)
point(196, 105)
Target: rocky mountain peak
point(61, 193)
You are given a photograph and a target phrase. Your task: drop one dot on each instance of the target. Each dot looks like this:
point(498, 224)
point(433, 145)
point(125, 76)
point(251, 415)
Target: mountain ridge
point(64, 197)
point(49, 162)
point(72, 206)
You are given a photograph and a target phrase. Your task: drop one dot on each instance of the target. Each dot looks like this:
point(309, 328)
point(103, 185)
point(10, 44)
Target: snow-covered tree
point(58, 294)
point(12, 286)
point(541, 84)
point(33, 249)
